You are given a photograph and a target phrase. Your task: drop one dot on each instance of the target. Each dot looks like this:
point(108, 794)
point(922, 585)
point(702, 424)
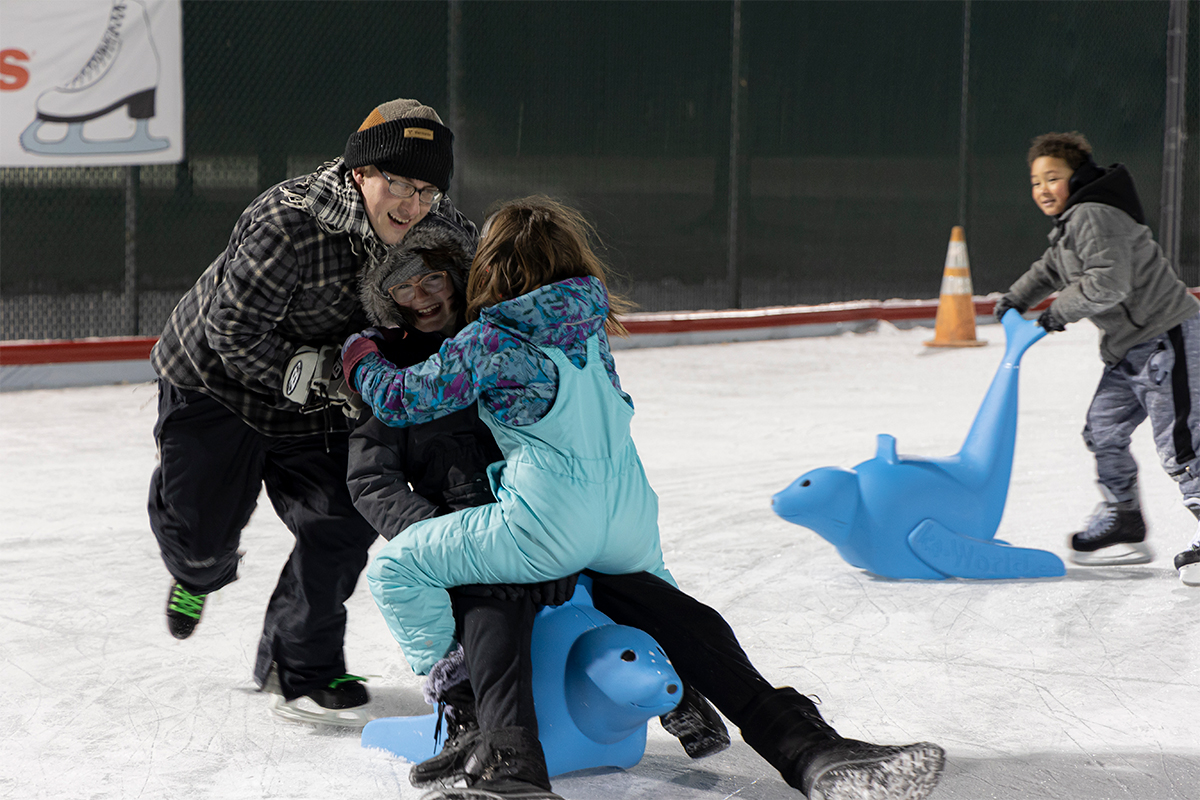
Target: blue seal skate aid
point(595, 685)
point(930, 518)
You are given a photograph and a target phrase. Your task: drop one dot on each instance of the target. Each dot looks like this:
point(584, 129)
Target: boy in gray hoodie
point(1105, 265)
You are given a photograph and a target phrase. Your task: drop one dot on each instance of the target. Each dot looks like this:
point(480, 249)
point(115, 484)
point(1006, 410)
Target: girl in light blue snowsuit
point(571, 493)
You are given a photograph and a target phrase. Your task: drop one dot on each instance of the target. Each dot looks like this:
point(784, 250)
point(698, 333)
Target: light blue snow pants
point(571, 494)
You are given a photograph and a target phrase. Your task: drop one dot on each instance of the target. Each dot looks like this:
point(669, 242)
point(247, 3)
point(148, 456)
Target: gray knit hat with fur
point(405, 139)
point(435, 243)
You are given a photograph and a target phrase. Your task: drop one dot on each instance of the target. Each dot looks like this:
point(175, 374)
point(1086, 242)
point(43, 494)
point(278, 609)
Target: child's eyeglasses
point(398, 188)
point(432, 283)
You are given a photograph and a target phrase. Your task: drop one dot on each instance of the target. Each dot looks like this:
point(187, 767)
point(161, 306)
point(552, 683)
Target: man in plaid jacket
point(286, 283)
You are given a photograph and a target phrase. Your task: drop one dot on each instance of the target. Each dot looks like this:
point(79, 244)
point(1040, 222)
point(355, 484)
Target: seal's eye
point(629, 655)
point(806, 483)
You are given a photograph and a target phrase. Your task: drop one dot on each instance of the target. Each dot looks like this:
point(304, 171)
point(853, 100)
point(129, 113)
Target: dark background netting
point(847, 156)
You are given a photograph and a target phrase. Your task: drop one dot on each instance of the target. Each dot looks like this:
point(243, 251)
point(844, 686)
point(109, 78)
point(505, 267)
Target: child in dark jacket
point(1105, 265)
point(780, 724)
point(416, 297)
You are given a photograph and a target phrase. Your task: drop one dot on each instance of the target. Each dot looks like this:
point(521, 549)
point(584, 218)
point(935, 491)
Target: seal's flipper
point(411, 738)
point(885, 448)
point(965, 557)
point(1020, 334)
point(987, 451)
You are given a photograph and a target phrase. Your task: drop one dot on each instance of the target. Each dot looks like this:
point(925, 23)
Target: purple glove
point(357, 347)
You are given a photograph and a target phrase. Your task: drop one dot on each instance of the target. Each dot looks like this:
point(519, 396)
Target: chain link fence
point(730, 154)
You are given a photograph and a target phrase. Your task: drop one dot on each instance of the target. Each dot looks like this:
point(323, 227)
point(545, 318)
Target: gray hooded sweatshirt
point(1106, 266)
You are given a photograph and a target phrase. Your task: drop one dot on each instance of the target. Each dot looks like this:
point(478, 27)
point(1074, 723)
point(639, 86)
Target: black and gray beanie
point(404, 139)
point(435, 243)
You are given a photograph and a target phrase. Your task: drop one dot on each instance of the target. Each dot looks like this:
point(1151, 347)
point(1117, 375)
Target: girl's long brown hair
point(530, 243)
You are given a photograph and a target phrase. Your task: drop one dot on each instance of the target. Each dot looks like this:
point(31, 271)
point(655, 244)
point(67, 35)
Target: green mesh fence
point(842, 171)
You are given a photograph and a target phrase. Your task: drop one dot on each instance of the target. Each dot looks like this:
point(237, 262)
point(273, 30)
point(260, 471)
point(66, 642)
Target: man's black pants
point(212, 467)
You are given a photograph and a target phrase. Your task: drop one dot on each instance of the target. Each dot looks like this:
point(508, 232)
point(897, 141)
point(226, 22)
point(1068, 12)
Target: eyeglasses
point(398, 188)
point(432, 283)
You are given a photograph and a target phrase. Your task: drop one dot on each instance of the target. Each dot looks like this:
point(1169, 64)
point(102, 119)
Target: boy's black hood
point(433, 232)
point(1112, 186)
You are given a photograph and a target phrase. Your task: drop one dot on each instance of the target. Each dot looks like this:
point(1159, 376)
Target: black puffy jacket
point(398, 476)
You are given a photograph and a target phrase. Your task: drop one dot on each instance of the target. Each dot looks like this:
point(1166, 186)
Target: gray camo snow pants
point(1159, 379)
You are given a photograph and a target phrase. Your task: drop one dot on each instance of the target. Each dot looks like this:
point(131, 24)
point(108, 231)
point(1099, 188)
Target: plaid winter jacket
point(287, 279)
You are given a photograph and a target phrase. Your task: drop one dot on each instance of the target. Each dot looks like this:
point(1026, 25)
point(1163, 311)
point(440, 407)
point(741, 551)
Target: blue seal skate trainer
point(595, 685)
point(930, 518)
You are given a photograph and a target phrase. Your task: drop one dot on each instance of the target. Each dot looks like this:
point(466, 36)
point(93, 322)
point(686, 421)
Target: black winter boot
point(505, 764)
point(696, 724)
point(853, 770)
point(786, 729)
point(456, 707)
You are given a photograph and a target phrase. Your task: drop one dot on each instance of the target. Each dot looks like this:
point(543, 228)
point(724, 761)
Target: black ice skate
point(1187, 564)
point(342, 702)
point(183, 610)
point(1115, 536)
point(697, 725)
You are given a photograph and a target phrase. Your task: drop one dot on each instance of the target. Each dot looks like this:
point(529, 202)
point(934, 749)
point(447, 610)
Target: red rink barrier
point(129, 348)
point(71, 351)
point(783, 316)
point(28, 353)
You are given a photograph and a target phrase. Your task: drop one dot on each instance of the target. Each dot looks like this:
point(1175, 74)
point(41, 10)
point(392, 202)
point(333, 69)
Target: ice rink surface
point(1080, 688)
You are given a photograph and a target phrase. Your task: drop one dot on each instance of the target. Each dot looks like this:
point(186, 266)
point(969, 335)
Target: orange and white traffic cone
point(955, 324)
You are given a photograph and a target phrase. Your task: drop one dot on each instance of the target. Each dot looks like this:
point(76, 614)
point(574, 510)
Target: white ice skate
point(1116, 555)
point(343, 705)
point(122, 72)
point(305, 709)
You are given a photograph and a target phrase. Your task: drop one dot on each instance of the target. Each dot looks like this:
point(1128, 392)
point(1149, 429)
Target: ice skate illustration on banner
point(930, 518)
point(121, 73)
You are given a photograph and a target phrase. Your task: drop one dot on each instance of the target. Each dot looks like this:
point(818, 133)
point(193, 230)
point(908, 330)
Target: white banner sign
point(90, 82)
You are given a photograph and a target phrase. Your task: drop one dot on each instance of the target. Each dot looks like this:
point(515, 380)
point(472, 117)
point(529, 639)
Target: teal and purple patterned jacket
point(495, 359)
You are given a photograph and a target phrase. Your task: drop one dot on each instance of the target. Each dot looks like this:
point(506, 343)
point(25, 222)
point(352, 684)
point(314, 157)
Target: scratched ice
point(1082, 687)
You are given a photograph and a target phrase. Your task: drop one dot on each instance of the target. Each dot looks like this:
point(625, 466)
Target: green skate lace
point(337, 682)
point(186, 603)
